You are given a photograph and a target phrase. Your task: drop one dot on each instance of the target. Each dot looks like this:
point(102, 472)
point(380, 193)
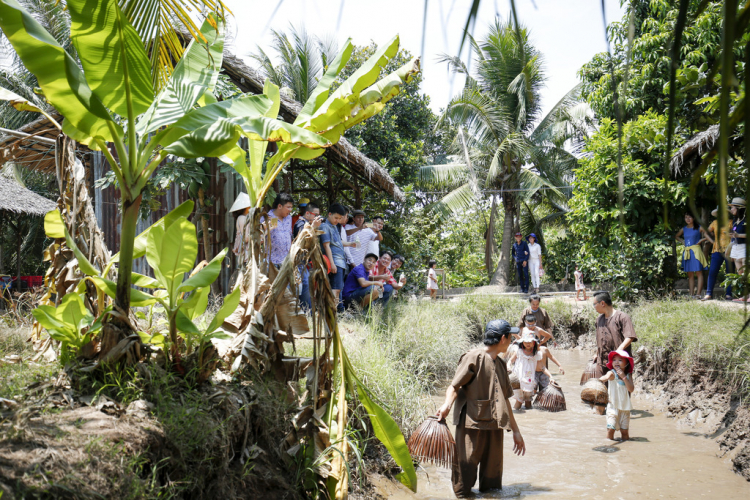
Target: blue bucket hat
point(532, 235)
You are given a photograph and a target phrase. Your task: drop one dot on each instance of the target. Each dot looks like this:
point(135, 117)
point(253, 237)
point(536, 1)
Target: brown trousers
point(477, 448)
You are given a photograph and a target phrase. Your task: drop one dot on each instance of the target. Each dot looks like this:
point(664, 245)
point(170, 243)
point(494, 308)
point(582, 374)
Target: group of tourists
point(357, 271)
point(727, 248)
point(481, 387)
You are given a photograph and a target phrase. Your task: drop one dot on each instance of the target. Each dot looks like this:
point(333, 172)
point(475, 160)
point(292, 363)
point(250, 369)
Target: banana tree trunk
point(207, 254)
point(502, 272)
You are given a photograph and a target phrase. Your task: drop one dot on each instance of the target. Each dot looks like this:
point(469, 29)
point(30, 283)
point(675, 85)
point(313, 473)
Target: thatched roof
point(700, 143)
point(28, 152)
point(350, 159)
point(249, 80)
point(17, 199)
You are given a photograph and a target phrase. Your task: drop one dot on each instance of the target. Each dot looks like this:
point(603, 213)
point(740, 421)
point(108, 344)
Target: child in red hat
point(620, 380)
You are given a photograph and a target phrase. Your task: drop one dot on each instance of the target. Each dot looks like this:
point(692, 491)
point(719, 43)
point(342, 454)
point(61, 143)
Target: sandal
point(707, 297)
point(728, 297)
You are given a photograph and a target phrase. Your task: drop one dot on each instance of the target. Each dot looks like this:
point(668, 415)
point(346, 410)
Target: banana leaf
point(112, 55)
point(62, 81)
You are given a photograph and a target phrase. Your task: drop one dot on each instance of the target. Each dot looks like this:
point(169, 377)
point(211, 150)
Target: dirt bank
point(700, 400)
point(217, 441)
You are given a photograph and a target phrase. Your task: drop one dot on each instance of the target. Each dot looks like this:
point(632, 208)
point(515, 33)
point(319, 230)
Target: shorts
point(618, 419)
point(522, 396)
point(738, 251)
point(337, 280)
point(542, 381)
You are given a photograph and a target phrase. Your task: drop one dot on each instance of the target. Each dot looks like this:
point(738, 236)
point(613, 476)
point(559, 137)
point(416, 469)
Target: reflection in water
point(569, 456)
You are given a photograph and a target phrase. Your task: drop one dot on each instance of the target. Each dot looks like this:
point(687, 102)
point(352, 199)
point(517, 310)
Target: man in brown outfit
point(614, 331)
point(543, 320)
point(482, 388)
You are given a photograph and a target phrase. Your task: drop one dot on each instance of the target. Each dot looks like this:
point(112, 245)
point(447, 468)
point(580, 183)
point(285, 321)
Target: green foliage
point(70, 323)
point(457, 244)
point(637, 257)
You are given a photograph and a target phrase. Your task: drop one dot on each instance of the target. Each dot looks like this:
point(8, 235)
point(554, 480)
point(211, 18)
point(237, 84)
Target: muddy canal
point(568, 456)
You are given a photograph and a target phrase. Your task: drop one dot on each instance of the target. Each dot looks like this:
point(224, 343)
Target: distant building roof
point(17, 199)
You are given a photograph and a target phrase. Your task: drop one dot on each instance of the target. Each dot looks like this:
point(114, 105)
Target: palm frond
point(158, 23)
point(443, 176)
point(457, 201)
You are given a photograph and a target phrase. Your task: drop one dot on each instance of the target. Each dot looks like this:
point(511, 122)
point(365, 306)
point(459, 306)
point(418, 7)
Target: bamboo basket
point(515, 384)
point(589, 372)
point(551, 398)
point(432, 442)
point(595, 392)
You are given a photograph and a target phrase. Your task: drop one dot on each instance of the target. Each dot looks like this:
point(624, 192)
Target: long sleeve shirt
point(520, 251)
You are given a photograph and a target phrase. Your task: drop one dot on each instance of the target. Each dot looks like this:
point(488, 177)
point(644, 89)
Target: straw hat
point(622, 354)
point(529, 337)
point(737, 202)
point(241, 203)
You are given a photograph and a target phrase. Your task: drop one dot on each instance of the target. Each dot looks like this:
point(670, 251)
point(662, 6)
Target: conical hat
point(241, 203)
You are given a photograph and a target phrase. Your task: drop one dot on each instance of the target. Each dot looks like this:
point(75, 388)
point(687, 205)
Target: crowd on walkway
point(727, 249)
point(359, 273)
point(481, 388)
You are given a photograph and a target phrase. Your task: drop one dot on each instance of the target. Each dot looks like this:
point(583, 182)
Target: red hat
point(624, 355)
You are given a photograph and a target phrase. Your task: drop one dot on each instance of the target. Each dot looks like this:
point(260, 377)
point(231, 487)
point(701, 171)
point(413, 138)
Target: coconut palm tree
point(302, 59)
point(498, 107)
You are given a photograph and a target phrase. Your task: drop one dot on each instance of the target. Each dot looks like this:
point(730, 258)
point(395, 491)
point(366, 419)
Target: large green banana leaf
point(195, 74)
point(112, 56)
point(172, 253)
point(62, 81)
point(320, 94)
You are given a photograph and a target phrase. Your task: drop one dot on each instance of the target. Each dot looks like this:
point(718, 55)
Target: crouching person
point(483, 413)
point(358, 287)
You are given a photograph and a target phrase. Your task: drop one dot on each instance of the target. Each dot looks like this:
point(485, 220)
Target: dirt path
point(569, 456)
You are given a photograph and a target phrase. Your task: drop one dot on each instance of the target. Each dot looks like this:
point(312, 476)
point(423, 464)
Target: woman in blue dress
point(693, 260)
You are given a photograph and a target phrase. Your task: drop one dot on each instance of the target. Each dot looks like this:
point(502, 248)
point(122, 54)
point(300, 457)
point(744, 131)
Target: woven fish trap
point(551, 398)
point(515, 383)
point(432, 442)
point(595, 392)
point(589, 372)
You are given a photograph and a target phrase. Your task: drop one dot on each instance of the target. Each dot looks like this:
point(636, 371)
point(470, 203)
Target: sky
point(568, 33)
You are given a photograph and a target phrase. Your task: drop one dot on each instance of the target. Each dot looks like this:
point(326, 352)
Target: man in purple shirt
point(359, 287)
point(281, 231)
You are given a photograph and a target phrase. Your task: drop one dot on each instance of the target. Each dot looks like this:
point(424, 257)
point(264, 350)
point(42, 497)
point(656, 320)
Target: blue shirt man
point(520, 254)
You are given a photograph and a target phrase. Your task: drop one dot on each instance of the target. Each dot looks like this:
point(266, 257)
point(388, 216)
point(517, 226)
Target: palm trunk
point(208, 255)
point(502, 273)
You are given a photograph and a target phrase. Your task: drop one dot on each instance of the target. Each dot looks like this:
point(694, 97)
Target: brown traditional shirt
point(543, 320)
point(611, 332)
point(483, 386)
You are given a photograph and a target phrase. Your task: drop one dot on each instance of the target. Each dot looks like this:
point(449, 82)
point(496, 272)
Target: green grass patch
point(15, 377)
point(709, 333)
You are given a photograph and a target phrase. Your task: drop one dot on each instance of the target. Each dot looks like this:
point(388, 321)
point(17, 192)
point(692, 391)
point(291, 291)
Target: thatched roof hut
point(700, 143)
point(19, 200)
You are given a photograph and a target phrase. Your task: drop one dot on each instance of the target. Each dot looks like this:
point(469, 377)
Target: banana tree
point(110, 105)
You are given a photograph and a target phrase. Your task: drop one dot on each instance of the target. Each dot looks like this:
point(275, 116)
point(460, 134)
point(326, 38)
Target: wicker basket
point(515, 384)
point(432, 442)
point(589, 372)
point(550, 398)
point(595, 392)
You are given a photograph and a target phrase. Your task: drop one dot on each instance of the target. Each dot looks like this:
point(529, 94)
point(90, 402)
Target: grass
point(698, 333)
point(15, 377)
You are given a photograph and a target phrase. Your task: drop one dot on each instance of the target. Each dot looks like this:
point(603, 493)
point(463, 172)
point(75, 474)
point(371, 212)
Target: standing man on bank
point(482, 388)
point(521, 254)
point(614, 332)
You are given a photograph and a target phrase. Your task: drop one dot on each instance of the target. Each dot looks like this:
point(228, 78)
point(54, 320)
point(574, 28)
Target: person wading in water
point(614, 332)
point(482, 388)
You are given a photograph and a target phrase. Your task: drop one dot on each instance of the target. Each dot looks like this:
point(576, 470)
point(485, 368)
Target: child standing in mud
point(618, 409)
point(543, 376)
point(524, 362)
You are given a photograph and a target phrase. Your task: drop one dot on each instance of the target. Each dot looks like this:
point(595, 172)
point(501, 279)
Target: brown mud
point(569, 457)
point(702, 403)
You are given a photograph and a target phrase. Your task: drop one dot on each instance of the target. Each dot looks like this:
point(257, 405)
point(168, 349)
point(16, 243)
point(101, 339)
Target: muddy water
point(568, 456)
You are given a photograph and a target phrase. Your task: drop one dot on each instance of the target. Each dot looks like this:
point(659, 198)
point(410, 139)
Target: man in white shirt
point(365, 235)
